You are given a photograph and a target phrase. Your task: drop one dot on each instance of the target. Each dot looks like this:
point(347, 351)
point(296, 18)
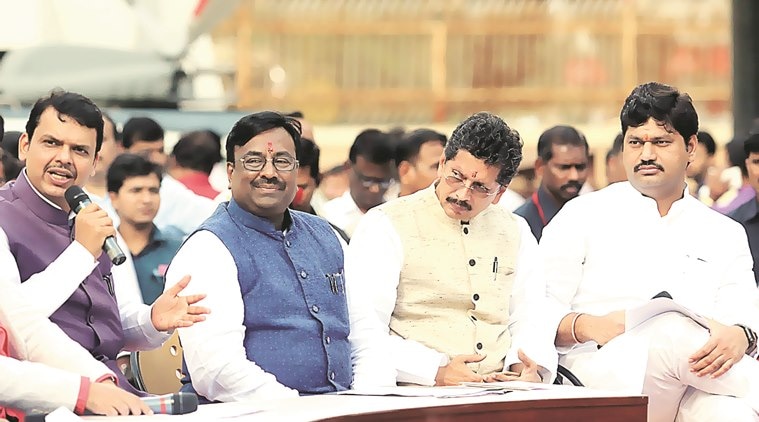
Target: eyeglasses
point(478, 190)
point(369, 182)
point(280, 163)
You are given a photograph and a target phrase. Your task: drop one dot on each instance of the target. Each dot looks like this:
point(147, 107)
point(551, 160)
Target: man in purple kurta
point(58, 258)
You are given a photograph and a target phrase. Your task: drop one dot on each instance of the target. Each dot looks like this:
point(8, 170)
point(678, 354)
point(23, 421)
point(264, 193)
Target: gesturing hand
point(457, 372)
point(725, 347)
point(526, 371)
point(173, 311)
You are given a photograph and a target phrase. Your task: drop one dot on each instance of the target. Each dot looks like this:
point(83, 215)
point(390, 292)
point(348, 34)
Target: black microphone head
point(184, 403)
point(75, 196)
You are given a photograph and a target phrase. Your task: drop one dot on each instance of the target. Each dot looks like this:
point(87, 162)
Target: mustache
point(264, 181)
point(572, 184)
point(648, 163)
point(462, 204)
point(68, 167)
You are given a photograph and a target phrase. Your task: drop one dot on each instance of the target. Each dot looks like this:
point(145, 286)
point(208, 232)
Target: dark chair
point(563, 373)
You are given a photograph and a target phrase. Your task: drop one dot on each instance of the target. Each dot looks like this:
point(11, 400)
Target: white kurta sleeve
point(737, 300)
point(376, 275)
point(562, 251)
point(214, 350)
point(32, 386)
point(369, 352)
point(33, 337)
point(532, 329)
point(56, 283)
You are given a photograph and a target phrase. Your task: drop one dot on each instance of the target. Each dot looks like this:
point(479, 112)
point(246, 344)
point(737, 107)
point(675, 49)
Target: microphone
point(77, 199)
point(172, 404)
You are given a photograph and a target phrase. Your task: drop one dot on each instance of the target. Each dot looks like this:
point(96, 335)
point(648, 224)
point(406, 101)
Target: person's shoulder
point(744, 212)
point(525, 209)
point(713, 220)
point(309, 220)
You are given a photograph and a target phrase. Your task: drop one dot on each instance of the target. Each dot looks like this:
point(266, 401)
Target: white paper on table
point(420, 391)
point(658, 306)
point(62, 414)
point(508, 385)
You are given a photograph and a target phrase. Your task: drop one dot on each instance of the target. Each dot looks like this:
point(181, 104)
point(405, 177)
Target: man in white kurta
point(47, 370)
point(613, 250)
point(452, 275)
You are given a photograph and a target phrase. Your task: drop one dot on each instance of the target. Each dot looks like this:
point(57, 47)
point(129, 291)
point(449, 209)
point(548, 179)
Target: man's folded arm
point(214, 352)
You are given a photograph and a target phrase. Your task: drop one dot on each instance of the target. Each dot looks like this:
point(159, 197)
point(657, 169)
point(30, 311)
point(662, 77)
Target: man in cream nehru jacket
point(457, 275)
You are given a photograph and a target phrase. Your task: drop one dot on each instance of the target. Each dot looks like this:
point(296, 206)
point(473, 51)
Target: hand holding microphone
point(94, 228)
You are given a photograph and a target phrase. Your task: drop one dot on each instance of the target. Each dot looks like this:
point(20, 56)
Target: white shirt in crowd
point(46, 366)
point(377, 240)
point(343, 212)
point(214, 350)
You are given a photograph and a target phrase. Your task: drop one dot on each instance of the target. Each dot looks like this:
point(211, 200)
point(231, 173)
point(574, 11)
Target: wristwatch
point(751, 337)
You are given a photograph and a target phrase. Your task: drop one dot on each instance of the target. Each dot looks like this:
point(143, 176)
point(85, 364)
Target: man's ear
point(23, 146)
point(95, 164)
point(691, 147)
point(404, 170)
point(539, 167)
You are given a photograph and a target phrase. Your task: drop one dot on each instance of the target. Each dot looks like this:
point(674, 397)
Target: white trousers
point(658, 351)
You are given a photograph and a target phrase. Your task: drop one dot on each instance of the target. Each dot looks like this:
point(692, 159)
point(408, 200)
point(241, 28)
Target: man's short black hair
point(705, 138)
point(410, 145)
point(10, 142)
point(616, 147)
point(198, 150)
point(141, 129)
point(559, 135)
point(308, 156)
point(665, 104)
point(487, 137)
point(76, 106)
point(128, 165)
point(375, 146)
point(255, 124)
point(116, 133)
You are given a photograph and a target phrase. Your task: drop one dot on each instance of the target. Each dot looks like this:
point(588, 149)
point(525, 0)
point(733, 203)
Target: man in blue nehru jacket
point(279, 322)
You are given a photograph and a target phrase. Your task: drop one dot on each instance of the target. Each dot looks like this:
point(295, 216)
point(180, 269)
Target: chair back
point(159, 371)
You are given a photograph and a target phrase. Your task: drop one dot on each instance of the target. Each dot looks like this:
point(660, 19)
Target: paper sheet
point(413, 391)
point(658, 306)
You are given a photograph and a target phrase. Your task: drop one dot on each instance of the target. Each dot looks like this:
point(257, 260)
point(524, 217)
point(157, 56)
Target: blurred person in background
point(192, 160)
point(180, 207)
point(748, 213)
point(417, 156)
point(615, 170)
point(308, 181)
point(372, 164)
point(730, 188)
point(10, 142)
point(134, 185)
point(702, 162)
point(562, 166)
point(111, 147)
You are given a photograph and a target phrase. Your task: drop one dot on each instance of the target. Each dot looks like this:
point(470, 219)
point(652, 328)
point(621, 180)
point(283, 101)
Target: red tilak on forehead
point(269, 147)
point(474, 174)
point(646, 137)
